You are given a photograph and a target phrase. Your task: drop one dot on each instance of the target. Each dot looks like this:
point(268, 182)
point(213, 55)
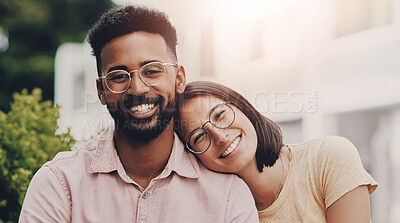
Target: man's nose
point(137, 86)
point(218, 135)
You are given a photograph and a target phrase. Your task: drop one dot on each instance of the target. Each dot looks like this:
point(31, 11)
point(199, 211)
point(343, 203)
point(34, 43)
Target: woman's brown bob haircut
point(269, 135)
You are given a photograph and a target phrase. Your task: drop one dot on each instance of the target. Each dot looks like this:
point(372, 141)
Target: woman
point(322, 180)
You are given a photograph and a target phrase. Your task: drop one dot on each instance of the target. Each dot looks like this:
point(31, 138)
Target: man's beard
point(144, 129)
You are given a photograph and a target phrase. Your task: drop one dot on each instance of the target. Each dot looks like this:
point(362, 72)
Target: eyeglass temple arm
point(171, 64)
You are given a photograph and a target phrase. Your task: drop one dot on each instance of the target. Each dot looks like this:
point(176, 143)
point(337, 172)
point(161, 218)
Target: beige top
point(320, 172)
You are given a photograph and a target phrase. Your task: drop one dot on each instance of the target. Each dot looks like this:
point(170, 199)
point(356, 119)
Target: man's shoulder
point(75, 158)
point(225, 189)
point(186, 164)
point(217, 179)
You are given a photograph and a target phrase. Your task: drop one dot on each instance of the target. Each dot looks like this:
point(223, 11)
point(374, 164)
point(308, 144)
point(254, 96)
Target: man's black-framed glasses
point(118, 81)
point(221, 116)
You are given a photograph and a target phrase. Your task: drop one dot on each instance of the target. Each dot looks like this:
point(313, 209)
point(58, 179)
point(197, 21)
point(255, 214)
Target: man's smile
point(142, 111)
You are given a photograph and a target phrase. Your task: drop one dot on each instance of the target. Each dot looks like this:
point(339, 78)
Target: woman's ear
point(100, 92)
point(180, 80)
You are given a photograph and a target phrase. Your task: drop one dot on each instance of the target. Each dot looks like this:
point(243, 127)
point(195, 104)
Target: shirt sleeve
point(46, 200)
point(341, 169)
point(240, 206)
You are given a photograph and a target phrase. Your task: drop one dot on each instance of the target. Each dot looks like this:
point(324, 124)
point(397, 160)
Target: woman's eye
point(220, 115)
point(199, 138)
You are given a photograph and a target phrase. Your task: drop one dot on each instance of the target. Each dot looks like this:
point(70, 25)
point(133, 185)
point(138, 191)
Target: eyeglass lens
point(151, 74)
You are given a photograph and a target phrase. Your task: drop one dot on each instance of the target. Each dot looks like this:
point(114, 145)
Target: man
point(137, 170)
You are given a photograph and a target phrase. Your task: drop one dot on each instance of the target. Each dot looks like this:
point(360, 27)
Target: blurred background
point(316, 67)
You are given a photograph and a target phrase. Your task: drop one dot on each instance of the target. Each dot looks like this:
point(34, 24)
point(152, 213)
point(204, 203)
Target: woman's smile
point(232, 147)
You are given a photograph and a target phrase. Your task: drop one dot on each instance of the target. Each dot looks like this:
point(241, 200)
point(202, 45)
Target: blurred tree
point(35, 29)
point(28, 139)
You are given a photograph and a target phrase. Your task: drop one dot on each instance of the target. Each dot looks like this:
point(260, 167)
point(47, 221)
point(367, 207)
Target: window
point(358, 15)
point(207, 50)
point(291, 131)
point(256, 39)
point(79, 87)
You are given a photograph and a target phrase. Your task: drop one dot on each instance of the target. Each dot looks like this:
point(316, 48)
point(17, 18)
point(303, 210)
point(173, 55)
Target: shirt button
point(144, 195)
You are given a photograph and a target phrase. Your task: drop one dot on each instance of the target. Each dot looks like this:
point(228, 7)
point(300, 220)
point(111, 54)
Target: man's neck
point(144, 161)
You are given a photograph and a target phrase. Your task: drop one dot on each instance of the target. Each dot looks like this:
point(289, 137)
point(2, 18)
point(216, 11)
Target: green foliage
point(28, 139)
point(36, 28)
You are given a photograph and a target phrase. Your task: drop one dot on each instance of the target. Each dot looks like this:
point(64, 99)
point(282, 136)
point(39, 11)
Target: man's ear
point(180, 80)
point(100, 91)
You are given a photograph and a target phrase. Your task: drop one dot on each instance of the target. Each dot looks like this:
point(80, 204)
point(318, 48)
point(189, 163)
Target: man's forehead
point(133, 44)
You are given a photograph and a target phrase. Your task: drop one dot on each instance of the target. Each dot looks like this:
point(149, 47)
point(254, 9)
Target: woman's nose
point(218, 135)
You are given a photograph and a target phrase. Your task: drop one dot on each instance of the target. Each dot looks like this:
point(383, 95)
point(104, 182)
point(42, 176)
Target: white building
point(316, 67)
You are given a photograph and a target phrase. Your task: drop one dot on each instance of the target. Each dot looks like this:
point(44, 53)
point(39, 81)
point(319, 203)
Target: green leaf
point(28, 139)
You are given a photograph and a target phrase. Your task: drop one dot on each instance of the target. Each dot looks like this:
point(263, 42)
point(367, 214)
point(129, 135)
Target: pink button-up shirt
point(91, 185)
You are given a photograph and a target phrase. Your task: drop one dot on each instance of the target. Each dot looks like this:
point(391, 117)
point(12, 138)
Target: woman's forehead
point(196, 111)
point(201, 105)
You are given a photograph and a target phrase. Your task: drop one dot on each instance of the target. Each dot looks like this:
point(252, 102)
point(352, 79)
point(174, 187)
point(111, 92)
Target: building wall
point(316, 67)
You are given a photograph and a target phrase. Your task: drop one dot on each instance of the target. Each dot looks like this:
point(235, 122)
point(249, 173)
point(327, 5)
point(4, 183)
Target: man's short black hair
point(119, 21)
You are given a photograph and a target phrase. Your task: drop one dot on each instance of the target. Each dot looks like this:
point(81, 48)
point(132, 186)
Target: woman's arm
point(352, 207)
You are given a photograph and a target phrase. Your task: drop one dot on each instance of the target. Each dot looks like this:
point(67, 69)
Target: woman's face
point(231, 148)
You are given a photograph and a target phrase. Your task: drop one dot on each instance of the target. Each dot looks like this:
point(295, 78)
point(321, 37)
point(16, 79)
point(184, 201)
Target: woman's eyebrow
point(212, 109)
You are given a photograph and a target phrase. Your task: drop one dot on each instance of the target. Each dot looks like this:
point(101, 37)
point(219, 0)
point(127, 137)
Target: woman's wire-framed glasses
point(221, 116)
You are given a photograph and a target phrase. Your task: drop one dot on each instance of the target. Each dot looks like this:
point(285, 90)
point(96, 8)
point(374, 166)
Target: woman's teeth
point(142, 108)
point(231, 148)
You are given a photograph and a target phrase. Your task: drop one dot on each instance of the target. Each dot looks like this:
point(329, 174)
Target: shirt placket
point(144, 205)
point(143, 208)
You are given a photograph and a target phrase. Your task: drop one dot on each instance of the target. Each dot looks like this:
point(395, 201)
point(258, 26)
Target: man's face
point(142, 112)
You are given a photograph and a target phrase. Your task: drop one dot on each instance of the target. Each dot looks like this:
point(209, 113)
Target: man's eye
point(119, 76)
point(152, 72)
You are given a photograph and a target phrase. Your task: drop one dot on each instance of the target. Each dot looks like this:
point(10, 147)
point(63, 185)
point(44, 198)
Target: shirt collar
point(106, 159)
point(180, 161)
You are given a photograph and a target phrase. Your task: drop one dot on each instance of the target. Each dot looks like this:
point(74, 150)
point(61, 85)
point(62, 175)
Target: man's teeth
point(231, 148)
point(142, 108)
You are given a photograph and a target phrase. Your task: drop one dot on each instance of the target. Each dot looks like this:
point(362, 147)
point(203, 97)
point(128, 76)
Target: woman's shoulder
point(325, 152)
point(326, 145)
point(333, 141)
point(331, 153)
point(337, 147)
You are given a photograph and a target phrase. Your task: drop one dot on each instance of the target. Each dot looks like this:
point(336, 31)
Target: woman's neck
point(266, 186)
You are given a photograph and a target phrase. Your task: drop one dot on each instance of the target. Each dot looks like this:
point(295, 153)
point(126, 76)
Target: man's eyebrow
point(121, 67)
point(148, 61)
